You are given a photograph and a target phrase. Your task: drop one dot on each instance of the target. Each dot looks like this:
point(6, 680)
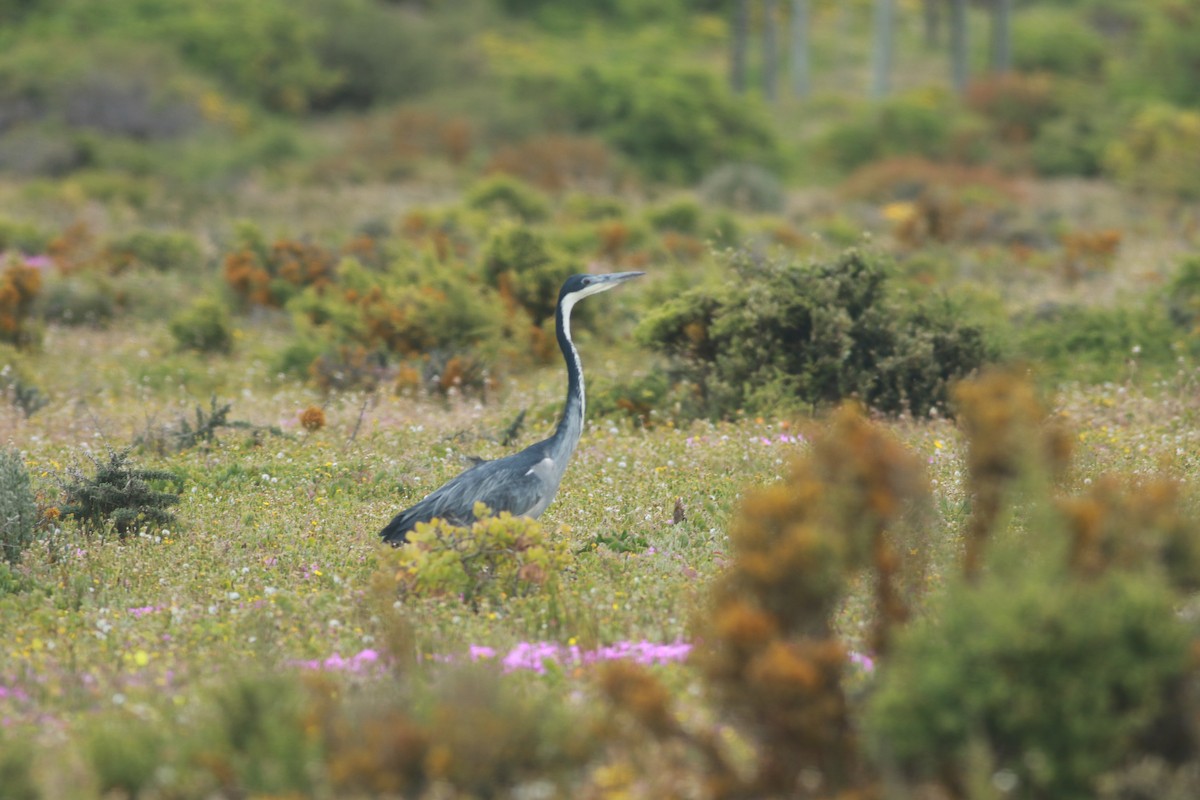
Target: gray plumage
point(524, 483)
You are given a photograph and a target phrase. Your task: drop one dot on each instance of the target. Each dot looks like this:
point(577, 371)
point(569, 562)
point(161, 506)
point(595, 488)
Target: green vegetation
point(18, 511)
point(887, 485)
point(779, 335)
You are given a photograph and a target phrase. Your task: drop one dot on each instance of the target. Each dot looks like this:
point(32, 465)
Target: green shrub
point(1059, 41)
point(784, 335)
point(1183, 295)
point(1069, 145)
point(520, 263)
point(495, 558)
point(169, 251)
point(120, 495)
point(23, 237)
point(125, 754)
point(18, 390)
point(16, 768)
point(508, 195)
point(381, 53)
point(204, 326)
point(682, 215)
point(1165, 54)
point(673, 125)
point(743, 187)
point(18, 509)
point(257, 738)
point(1059, 680)
point(1159, 151)
point(920, 124)
point(1097, 344)
point(82, 300)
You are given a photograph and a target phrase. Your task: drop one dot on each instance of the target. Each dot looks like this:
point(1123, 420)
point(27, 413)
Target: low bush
point(1057, 40)
point(18, 508)
point(19, 286)
point(1183, 295)
point(1097, 344)
point(167, 251)
point(523, 267)
point(120, 495)
point(77, 300)
point(205, 326)
point(509, 196)
point(672, 125)
point(1015, 104)
point(918, 124)
point(495, 558)
point(556, 162)
point(16, 387)
point(1159, 151)
point(927, 201)
point(24, 237)
point(785, 335)
point(269, 274)
point(743, 187)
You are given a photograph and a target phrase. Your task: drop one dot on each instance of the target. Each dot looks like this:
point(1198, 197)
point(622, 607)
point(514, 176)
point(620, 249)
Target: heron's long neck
point(570, 427)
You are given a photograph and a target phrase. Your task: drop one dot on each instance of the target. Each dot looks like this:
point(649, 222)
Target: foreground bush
point(787, 335)
point(495, 558)
point(1060, 657)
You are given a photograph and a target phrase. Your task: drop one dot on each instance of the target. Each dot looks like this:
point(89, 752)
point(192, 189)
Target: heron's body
point(524, 483)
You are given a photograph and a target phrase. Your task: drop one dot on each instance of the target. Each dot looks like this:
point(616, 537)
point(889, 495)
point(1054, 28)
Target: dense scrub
point(786, 334)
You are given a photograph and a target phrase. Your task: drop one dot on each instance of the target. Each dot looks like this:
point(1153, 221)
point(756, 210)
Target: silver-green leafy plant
point(18, 509)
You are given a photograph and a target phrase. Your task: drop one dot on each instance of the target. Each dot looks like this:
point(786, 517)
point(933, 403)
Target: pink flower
point(479, 651)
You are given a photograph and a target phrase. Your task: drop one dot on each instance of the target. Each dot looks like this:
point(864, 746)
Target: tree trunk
point(959, 71)
point(1001, 35)
point(798, 60)
point(881, 72)
point(933, 22)
point(739, 34)
point(770, 51)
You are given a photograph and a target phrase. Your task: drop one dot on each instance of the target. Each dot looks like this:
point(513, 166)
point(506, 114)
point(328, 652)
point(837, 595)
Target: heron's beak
point(613, 278)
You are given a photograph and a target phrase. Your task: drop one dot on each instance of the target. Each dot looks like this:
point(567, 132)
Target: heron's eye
point(587, 281)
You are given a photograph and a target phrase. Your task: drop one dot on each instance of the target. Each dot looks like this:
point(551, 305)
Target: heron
point(523, 483)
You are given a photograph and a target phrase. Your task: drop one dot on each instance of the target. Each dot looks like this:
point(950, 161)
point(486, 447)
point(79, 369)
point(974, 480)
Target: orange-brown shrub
point(927, 201)
point(1009, 435)
point(1016, 104)
point(770, 652)
point(556, 162)
point(268, 276)
point(19, 285)
point(312, 418)
point(1088, 251)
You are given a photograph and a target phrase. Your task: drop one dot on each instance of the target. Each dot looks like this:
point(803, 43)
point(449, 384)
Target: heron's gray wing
point(520, 485)
point(504, 485)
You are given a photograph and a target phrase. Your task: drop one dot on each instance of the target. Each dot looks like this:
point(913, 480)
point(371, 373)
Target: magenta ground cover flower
point(536, 656)
point(358, 663)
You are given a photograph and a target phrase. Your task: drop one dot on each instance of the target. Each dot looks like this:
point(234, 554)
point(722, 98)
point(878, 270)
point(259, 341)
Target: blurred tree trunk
point(1001, 35)
point(881, 72)
point(798, 59)
point(770, 52)
point(933, 22)
point(739, 34)
point(959, 71)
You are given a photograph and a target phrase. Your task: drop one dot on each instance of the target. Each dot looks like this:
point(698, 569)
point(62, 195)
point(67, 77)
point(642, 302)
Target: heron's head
point(578, 287)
